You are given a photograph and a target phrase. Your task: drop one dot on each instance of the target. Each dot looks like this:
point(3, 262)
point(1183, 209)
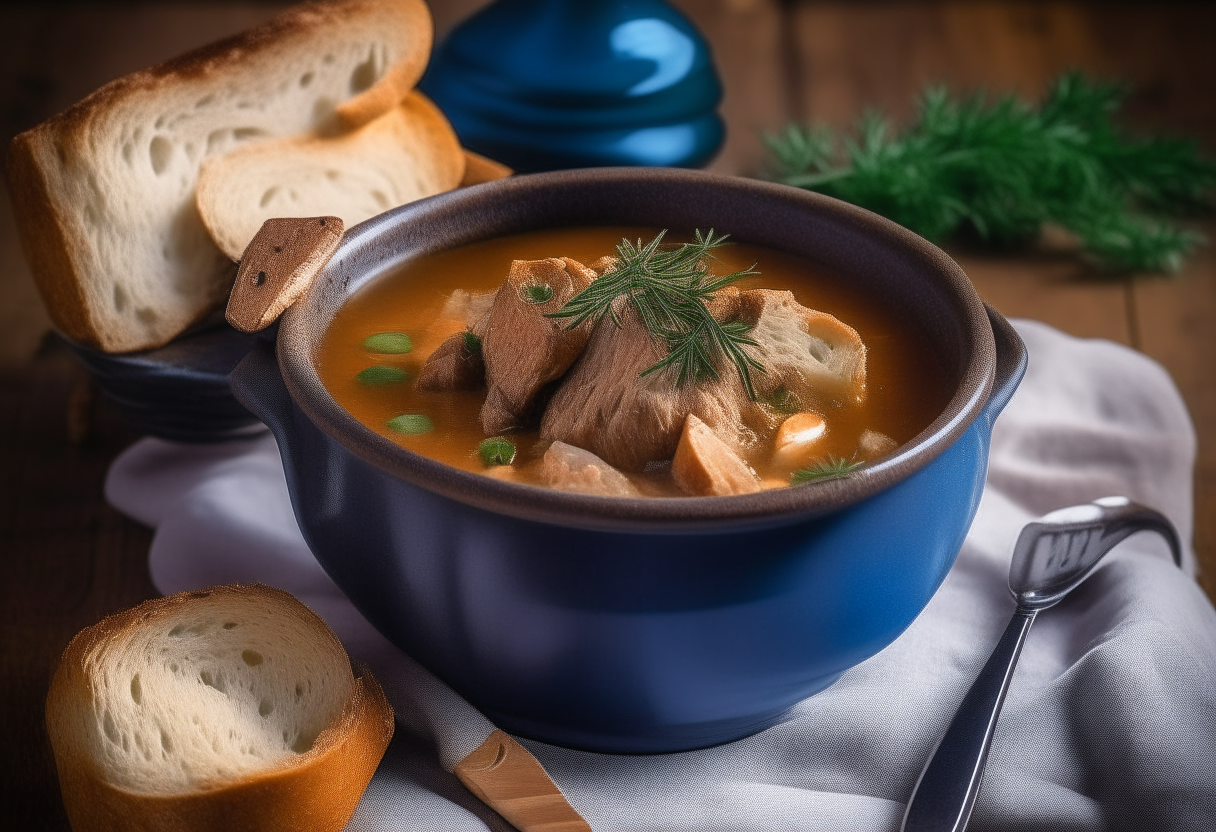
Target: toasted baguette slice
point(229, 708)
point(104, 192)
point(408, 153)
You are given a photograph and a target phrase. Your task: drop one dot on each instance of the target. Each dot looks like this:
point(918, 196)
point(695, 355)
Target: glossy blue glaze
point(627, 642)
point(549, 84)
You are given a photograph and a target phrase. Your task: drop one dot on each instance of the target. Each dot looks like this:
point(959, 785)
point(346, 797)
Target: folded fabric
point(1110, 723)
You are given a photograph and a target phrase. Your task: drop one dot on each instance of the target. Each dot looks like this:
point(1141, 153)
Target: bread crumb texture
point(104, 192)
point(408, 153)
point(197, 690)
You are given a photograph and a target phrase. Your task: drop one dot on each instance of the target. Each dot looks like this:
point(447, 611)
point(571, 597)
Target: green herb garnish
point(496, 451)
point(825, 469)
point(536, 292)
point(472, 344)
point(669, 288)
point(388, 343)
point(784, 401)
point(381, 375)
point(411, 423)
point(1000, 170)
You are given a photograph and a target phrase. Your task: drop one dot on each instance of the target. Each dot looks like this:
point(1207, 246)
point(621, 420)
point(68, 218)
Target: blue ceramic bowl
point(638, 625)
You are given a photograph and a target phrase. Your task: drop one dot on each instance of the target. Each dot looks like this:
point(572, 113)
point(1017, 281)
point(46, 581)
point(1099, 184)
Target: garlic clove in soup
point(797, 438)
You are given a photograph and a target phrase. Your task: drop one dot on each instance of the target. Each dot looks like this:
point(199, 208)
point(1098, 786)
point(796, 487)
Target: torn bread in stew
point(618, 362)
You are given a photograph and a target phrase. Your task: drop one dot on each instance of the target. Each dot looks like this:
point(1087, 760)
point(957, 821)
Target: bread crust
point(479, 169)
point(51, 214)
point(44, 242)
point(318, 790)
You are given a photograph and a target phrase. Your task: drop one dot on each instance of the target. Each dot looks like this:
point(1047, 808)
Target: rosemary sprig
point(999, 170)
point(825, 469)
point(669, 288)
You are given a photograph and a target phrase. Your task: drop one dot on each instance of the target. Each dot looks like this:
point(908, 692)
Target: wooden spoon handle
point(507, 778)
point(278, 265)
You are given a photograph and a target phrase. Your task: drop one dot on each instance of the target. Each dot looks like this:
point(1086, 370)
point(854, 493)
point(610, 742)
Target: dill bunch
point(669, 288)
point(999, 170)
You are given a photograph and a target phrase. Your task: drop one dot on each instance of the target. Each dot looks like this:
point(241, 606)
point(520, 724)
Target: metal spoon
point(1052, 557)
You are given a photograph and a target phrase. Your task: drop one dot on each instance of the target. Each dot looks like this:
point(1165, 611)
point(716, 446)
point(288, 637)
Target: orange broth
point(906, 386)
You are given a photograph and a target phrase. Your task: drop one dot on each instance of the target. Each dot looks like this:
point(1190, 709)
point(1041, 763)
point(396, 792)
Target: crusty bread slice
point(104, 192)
point(228, 708)
point(408, 153)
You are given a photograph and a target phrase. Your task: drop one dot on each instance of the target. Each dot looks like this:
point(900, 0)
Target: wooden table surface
point(66, 558)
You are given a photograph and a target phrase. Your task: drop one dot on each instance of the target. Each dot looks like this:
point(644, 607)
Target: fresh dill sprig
point(669, 288)
point(999, 170)
point(825, 469)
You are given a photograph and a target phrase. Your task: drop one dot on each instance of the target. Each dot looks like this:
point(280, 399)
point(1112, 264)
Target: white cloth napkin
point(1110, 723)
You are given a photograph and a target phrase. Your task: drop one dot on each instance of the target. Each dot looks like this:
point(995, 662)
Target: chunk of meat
point(705, 466)
point(606, 406)
point(522, 349)
point(568, 468)
point(454, 365)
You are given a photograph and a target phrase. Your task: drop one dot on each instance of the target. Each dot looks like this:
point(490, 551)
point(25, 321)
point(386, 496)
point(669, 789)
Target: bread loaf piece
point(408, 153)
point(104, 192)
point(231, 708)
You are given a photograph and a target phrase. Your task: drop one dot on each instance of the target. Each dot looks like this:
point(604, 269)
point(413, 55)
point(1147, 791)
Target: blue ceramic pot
point(549, 84)
point(638, 625)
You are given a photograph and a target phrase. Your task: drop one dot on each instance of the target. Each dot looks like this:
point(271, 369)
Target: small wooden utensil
point(513, 783)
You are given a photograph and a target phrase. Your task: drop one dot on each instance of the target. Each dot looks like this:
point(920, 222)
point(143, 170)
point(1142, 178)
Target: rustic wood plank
point(1175, 318)
point(68, 560)
point(745, 37)
point(448, 13)
point(1054, 289)
point(881, 54)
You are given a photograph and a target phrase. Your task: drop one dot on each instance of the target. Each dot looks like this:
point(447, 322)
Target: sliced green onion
point(411, 423)
point(388, 343)
point(381, 374)
point(536, 292)
point(496, 451)
point(784, 401)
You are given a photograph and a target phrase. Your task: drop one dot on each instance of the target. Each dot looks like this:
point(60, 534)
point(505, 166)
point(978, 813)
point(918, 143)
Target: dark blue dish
point(638, 625)
point(550, 84)
point(179, 391)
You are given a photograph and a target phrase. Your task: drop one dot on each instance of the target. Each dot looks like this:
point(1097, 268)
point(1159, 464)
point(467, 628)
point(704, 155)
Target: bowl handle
point(1011, 359)
point(278, 265)
point(257, 383)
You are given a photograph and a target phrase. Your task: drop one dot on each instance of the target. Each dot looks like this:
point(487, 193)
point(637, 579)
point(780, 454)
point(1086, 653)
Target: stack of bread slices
point(133, 203)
